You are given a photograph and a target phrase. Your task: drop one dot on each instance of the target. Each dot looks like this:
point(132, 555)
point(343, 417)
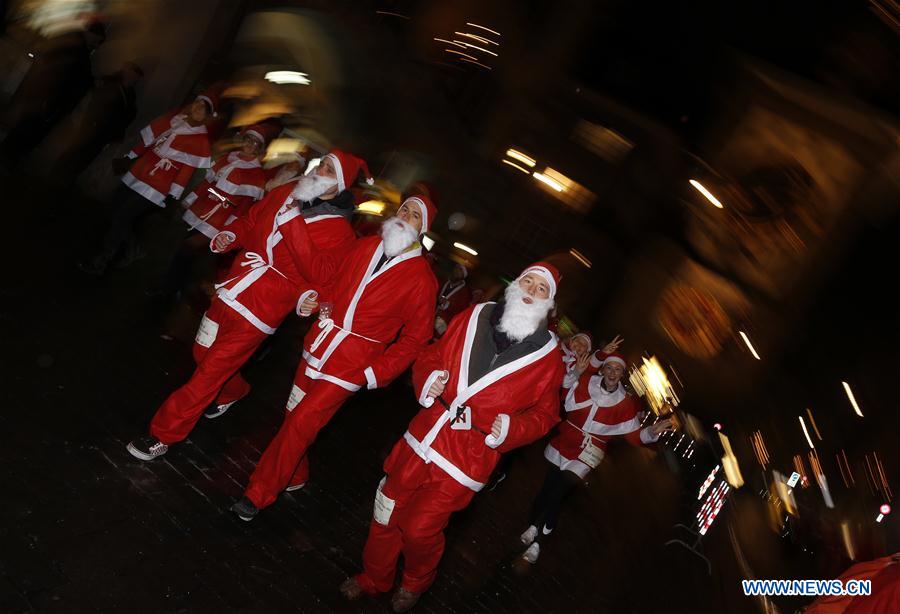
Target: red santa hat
point(264, 133)
point(212, 96)
point(348, 167)
point(616, 358)
point(426, 208)
point(547, 271)
point(583, 335)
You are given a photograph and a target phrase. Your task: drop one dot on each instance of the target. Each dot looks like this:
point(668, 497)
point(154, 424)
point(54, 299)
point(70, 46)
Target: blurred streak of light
point(474, 46)
point(474, 62)
point(311, 166)
point(709, 480)
point(558, 177)
point(680, 439)
point(820, 478)
point(706, 193)
point(650, 381)
point(848, 540)
point(465, 248)
point(759, 447)
point(478, 38)
point(885, 14)
point(443, 40)
point(847, 465)
point(749, 345)
point(427, 242)
point(514, 165)
point(392, 14)
point(852, 399)
point(730, 463)
point(841, 467)
point(475, 25)
point(812, 421)
point(675, 373)
point(693, 428)
point(288, 77)
point(879, 518)
point(805, 432)
point(282, 147)
point(465, 55)
point(518, 155)
point(784, 493)
point(800, 466)
point(548, 181)
point(580, 257)
point(884, 482)
point(716, 501)
point(885, 509)
point(870, 476)
point(372, 207)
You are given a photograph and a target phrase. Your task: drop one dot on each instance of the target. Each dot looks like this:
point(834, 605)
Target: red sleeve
point(634, 437)
point(433, 357)
point(418, 321)
point(241, 226)
point(532, 423)
point(319, 262)
point(148, 134)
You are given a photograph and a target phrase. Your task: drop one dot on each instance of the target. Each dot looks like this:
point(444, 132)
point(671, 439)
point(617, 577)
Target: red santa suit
point(448, 452)
point(263, 286)
point(593, 416)
point(373, 299)
point(240, 182)
point(170, 151)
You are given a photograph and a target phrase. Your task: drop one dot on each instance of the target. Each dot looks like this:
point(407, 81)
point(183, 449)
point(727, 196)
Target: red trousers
point(284, 462)
point(424, 498)
point(216, 378)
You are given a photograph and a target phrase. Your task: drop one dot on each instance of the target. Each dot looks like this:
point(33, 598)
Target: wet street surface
point(86, 527)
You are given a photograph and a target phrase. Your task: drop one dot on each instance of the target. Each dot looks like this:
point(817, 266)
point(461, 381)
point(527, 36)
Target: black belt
point(459, 413)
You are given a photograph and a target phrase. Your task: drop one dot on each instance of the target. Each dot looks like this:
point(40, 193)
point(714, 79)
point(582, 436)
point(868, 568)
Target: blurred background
point(717, 182)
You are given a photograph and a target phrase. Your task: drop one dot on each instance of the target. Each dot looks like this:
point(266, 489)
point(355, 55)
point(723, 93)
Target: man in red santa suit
point(172, 147)
point(235, 182)
point(383, 287)
point(264, 285)
point(597, 408)
point(452, 299)
point(488, 386)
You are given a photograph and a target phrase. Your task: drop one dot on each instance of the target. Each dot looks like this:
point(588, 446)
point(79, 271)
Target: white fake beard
point(310, 187)
point(520, 319)
point(397, 236)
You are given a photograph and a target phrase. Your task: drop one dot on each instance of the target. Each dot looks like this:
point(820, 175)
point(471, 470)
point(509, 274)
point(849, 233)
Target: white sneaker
point(532, 553)
point(529, 535)
point(295, 487)
point(218, 410)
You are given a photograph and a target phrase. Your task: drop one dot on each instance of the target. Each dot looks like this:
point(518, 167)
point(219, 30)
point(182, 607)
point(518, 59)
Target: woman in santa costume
point(172, 147)
point(452, 299)
point(234, 183)
point(263, 286)
point(597, 408)
point(488, 386)
point(383, 287)
point(578, 359)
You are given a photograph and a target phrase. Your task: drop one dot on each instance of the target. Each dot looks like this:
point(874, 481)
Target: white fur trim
point(424, 399)
point(338, 171)
point(208, 101)
point(147, 191)
point(543, 272)
point(615, 359)
point(256, 135)
point(496, 442)
point(176, 190)
point(573, 465)
point(302, 298)
point(313, 374)
point(595, 361)
point(131, 155)
point(430, 455)
point(585, 336)
point(371, 382)
point(647, 437)
point(212, 242)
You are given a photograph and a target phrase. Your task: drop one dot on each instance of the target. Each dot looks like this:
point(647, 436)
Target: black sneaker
point(147, 448)
point(496, 481)
point(214, 411)
point(245, 509)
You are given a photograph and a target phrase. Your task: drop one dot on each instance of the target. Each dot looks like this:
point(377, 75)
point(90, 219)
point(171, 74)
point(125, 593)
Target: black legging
point(545, 509)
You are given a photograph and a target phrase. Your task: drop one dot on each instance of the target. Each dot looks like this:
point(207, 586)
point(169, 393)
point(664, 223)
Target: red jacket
point(594, 416)
point(240, 181)
point(370, 307)
point(523, 393)
point(170, 151)
point(264, 283)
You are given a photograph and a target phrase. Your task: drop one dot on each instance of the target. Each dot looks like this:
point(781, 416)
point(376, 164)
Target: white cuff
point(595, 361)
point(131, 155)
point(570, 379)
point(212, 242)
point(210, 175)
point(424, 399)
point(371, 382)
point(646, 437)
point(176, 190)
point(300, 300)
point(496, 442)
point(147, 135)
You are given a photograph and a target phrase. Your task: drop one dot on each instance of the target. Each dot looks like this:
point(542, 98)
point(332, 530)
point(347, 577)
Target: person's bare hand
point(581, 364)
point(661, 427)
point(613, 345)
point(222, 241)
point(497, 427)
point(309, 304)
point(437, 388)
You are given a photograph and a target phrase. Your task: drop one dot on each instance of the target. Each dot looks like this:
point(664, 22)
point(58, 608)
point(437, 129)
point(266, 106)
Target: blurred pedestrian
point(597, 409)
point(172, 147)
point(103, 118)
point(382, 298)
point(291, 169)
point(264, 285)
point(495, 376)
point(231, 187)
